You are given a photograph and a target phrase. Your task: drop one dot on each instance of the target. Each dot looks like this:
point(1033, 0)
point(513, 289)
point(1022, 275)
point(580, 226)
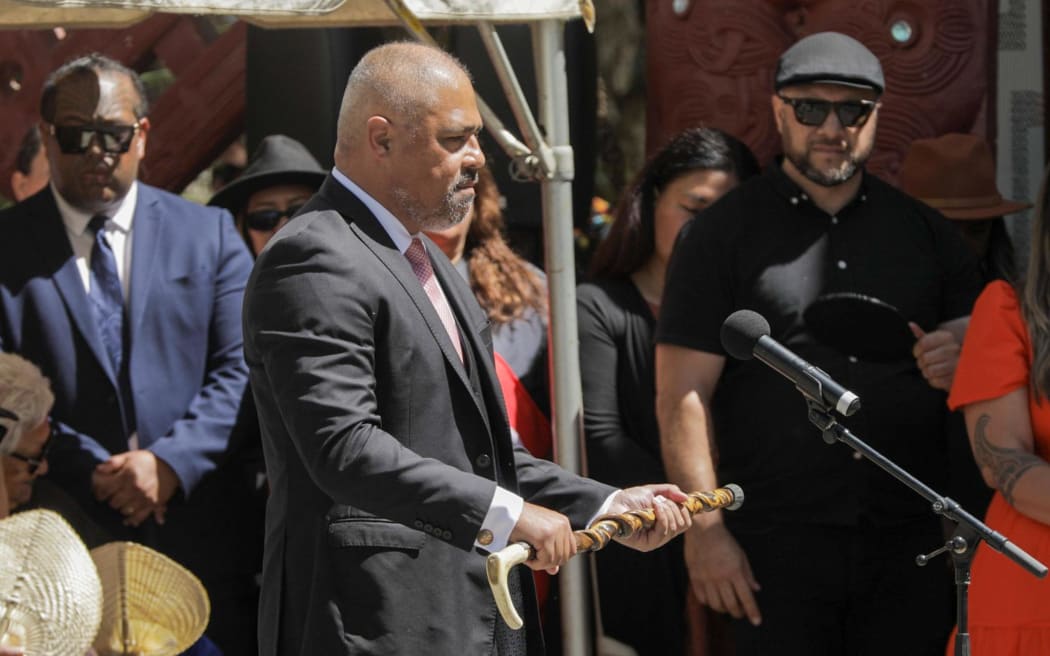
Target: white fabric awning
point(279, 13)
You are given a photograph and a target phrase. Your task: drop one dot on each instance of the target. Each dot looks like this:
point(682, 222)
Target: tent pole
point(548, 39)
point(516, 97)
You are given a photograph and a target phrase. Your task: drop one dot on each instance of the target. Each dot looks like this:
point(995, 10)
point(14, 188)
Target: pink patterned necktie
point(417, 257)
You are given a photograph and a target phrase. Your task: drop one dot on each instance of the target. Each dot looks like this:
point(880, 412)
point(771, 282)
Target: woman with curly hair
point(617, 318)
point(512, 291)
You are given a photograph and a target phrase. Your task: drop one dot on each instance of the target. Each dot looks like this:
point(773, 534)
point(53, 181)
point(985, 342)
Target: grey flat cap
point(831, 58)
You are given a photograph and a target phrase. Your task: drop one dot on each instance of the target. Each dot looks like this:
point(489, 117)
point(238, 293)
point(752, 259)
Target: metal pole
point(566, 396)
point(516, 97)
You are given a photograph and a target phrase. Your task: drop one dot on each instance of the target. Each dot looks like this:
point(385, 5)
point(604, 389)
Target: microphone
point(746, 334)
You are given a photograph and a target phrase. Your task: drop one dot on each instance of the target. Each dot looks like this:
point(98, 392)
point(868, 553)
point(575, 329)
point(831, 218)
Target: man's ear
point(778, 118)
point(379, 132)
point(47, 141)
point(144, 127)
point(18, 181)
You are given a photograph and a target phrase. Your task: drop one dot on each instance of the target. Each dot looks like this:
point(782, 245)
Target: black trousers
point(829, 591)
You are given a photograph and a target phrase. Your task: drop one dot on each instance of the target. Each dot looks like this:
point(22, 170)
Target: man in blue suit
point(128, 298)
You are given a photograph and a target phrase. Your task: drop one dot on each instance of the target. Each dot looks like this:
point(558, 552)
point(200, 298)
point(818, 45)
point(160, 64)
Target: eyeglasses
point(266, 220)
point(813, 112)
point(37, 462)
point(76, 139)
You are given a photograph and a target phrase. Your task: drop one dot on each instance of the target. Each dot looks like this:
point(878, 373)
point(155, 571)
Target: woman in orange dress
point(1002, 384)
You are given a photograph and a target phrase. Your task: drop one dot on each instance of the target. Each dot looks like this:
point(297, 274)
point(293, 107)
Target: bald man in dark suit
point(388, 453)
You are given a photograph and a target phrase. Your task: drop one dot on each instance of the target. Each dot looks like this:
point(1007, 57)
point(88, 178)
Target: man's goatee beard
point(827, 178)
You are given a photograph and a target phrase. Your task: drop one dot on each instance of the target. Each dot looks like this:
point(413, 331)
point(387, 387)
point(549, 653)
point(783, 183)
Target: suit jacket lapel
point(54, 247)
point(471, 324)
point(460, 297)
point(146, 235)
point(361, 220)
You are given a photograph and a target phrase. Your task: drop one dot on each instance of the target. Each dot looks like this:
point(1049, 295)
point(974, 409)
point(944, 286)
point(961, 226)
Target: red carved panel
point(200, 114)
point(714, 64)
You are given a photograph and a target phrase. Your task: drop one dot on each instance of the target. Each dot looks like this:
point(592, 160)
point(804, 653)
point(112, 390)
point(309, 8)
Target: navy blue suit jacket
point(187, 372)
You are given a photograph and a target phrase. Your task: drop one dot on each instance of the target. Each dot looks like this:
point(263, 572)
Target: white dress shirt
point(117, 231)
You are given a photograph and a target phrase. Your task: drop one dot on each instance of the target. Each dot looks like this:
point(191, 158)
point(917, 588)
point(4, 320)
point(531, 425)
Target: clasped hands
point(551, 536)
point(136, 484)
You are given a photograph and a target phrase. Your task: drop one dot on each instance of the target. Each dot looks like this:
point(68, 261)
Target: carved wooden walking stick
point(600, 532)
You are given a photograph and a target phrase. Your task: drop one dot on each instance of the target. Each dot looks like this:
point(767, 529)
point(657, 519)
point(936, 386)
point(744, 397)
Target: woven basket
point(151, 604)
point(50, 594)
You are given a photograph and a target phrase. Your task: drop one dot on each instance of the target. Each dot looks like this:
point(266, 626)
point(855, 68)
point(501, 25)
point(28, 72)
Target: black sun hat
point(277, 160)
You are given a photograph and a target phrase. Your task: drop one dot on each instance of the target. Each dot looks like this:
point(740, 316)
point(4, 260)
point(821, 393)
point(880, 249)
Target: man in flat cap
point(821, 559)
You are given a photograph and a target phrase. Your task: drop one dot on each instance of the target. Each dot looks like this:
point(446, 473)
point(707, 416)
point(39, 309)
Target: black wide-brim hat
point(278, 160)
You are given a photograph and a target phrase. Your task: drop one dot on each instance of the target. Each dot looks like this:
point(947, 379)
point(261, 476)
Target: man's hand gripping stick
point(596, 537)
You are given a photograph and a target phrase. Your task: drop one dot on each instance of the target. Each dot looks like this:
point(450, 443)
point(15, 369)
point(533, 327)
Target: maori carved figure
point(712, 62)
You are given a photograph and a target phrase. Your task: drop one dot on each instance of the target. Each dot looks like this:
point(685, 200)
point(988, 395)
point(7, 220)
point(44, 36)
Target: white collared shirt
point(506, 507)
point(117, 231)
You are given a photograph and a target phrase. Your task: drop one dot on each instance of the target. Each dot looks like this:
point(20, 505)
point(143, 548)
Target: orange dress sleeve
point(996, 353)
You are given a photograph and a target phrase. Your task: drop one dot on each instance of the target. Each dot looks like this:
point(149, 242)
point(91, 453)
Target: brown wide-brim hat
point(278, 160)
point(955, 174)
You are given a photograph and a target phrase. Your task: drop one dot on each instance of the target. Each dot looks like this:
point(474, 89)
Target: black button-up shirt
point(766, 247)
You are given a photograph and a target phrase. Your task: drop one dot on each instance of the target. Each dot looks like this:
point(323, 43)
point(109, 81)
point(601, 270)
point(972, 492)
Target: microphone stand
point(969, 530)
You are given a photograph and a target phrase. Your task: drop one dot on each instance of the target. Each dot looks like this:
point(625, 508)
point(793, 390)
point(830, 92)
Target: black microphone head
point(741, 331)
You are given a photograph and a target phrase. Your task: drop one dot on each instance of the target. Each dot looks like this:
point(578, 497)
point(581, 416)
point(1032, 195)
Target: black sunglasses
point(76, 139)
point(37, 462)
point(266, 220)
point(813, 112)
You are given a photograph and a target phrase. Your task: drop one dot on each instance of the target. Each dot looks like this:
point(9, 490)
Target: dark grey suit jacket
point(383, 451)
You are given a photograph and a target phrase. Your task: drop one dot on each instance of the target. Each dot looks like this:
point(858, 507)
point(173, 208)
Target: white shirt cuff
point(604, 509)
point(503, 514)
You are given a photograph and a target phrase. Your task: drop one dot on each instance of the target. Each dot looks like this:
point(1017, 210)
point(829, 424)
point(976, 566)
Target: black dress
point(642, 594)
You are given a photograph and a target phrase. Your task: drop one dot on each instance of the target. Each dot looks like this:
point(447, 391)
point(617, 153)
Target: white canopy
point(280, 13)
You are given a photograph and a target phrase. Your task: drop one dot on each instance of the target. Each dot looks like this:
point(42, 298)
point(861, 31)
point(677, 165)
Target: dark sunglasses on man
point(76, 139)
point(36, 462)
point(267, 220)
point(813, 111)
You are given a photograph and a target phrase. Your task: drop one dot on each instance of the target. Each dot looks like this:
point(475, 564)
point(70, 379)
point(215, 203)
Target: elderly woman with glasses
point(25, 430)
